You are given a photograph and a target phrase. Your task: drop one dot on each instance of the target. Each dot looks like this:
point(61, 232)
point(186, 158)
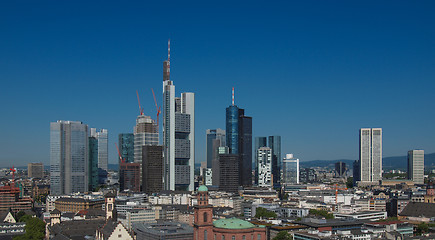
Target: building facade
point(178, 135)
point(340, 169)
point(35, 170)
point(274, 143)
point(129, 177)
point(290, 170)
point(416, 166)
point(152, 169)
point(102, 137)
point(229, 172)
point(68, 157)
point(370, 155)
point(126, 146)
point(264, 161)
point(215, 138)
point(93, 163)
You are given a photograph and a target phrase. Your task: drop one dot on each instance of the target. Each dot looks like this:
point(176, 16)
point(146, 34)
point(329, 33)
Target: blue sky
point(313, 72)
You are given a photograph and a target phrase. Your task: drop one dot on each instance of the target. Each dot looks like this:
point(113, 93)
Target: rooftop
point(233, 223)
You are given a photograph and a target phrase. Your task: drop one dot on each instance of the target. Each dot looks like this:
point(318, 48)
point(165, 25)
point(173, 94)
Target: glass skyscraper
point(215, 138)
point(103, 147)
point(126, 146)
point(416, 166)
point(232, 128)
point(274, 144)
point(68, 157)
point(93, 163)
point(290, 170)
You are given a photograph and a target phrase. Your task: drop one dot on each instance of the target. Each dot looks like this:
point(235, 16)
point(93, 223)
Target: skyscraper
point(152, 169)
point(93, 163)
point(239, 140)
point(68, 157)
point(145, 134)
point(215, 138)
point(275, 145)
point(178, 135)
point(126, 146)
point(370, 155)
point(416, 166)
point(35, 170)
point(290, 170)
point(102, 138)
point(340, 169)
point(264, 161)
point(229, 172)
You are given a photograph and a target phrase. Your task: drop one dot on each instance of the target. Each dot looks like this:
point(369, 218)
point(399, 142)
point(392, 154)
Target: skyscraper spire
point(232, 100)
point(167, 64)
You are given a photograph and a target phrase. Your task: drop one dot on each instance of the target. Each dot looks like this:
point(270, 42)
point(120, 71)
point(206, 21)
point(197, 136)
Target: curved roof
point(202, 188)
point(233, 223)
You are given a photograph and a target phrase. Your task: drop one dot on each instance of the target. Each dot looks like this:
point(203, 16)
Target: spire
point(167, 63)
point(233, 97)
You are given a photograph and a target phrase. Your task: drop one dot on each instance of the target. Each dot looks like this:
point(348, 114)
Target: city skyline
point(314, 76)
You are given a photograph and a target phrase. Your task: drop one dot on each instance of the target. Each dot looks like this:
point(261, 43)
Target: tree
point(283, 235)
point(422, 228)
point(35, 228)
point(19, 215)
point(264, 213)
point(322, 213)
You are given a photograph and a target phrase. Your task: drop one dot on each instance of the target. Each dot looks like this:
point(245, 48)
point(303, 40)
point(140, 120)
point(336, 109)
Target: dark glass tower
point(275, 145)
point(93, 163)
point(126, 146)
point(232, 128)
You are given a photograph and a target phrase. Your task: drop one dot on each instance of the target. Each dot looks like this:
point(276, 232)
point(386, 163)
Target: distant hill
point(388, 163)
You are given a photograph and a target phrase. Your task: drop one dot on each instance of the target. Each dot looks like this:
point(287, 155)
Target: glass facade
point(212, 145)
point(93, 163)
point(290, 170)
point(126, 146)
point(68, 157)
point(232, 129)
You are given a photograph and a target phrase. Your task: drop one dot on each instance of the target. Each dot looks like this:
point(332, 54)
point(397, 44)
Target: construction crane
point(138, 100)
point(13, 174)
point(120, 157)
point(157, 109)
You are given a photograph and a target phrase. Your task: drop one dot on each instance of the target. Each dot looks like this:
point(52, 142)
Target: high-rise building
point(215, 139)
point(126, 146)
point(35, 170)
point(103, 148)
point(145, 134)
point(229, 172)
point(152, 169)
point(416, 166)
point(239, 140)
point(216, 165)
point(93, 163)
point(340, 169)
point(275, 145)
point(264, 158)
point(370, 155)
point(129, 176)
point(178, 135)
point(68, 157)
point(290, 170)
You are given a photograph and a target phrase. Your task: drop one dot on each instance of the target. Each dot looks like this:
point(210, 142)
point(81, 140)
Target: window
point(243, 237)
point(205, 217)
point(233, 237)
point(223, 237)
point(205, 234)
point(258, 237)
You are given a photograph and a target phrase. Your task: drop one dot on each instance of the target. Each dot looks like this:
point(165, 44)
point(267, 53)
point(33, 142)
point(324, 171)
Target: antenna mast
point(233, 97)
point(169, 58)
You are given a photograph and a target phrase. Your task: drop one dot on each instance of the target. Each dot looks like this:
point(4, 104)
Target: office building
point(178, 135)
point(126, 146)
point(129, 177)
point(216, 165)
point(229, 173)
point(370, 155)
point(103, 146)
point(416, 166)
point(145, 134)
point(340, 169)
point(68, 157)
point(207, 176)
point(152, 169)
point(35, 170)
point(93, 163)
point(274, 143)
point(215, 139)
point(307, 175)
point(264, 157)
point(239, 140)
point(290, 170)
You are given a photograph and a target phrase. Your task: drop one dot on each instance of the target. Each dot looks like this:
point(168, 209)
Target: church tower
point(110, 206)
point(203, 216)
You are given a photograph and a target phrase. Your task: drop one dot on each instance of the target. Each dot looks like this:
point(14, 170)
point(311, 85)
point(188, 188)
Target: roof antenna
point(233, 97)
point(169, 58)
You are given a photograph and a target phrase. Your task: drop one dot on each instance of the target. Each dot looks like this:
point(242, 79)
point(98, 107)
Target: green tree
point(19, 215)
point(422, 228)
point(35, 228)
point(283, 235)
point(264, 213)
point(321, 213)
